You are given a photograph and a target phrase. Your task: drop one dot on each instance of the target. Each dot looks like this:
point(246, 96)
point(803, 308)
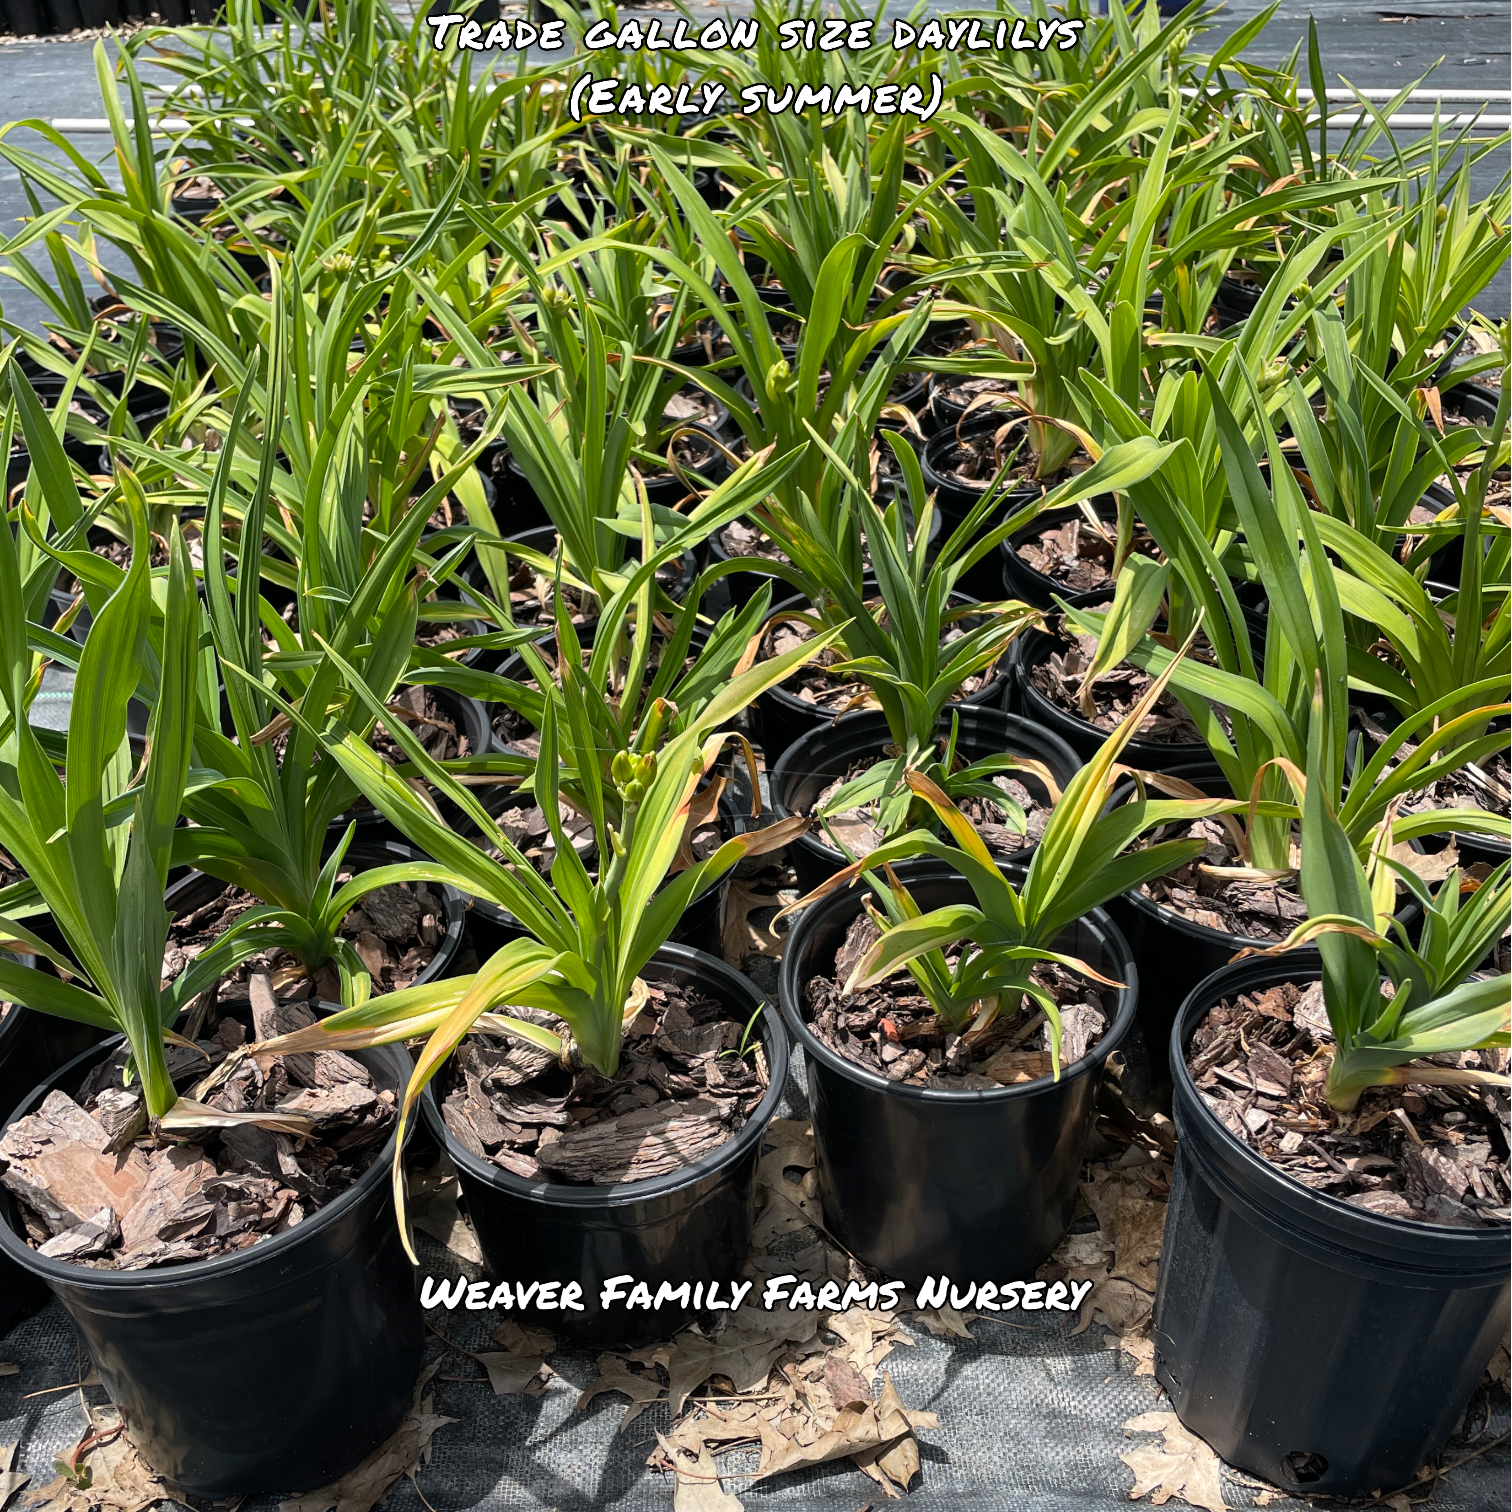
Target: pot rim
point(274, 1247)
point(586, 1199)
point(453, 900)
point(1136, 899)
point(1302, 965)
point(1008, 547)
point(1019, 664)
point(992, 688)
point(816, 1049)
point(812, 837)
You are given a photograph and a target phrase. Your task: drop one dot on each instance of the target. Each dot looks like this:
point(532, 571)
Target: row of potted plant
point(454, 498)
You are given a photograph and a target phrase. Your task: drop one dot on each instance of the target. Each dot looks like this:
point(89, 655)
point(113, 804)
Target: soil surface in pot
point(690, 405)
point(1431, 1154)
point(429, 722)
point(532, 594)
point(395, 930)
point(1267, 910)
point(857, 827)
point(815, 684)
point(524, 823)
point(1486, 785)
point(1076, 554)
point(683, 1088)
point(1058, 676)
point(974, 460)
point(740, 539)
point(959, 392)
point(514, 729)
point(695, 453)
point(891, 1030)
point(709, 335)
point(96, 1189)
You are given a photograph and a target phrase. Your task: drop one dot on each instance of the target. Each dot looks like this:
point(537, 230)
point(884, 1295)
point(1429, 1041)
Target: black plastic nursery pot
point(1236, 300)
point(1471, 401)
point(946, 413)
point(699, 926)
point(32, 1046)
point(954, 498)
point(277, 1368)
point(194, 889)
point(744, 585)
point(811, 763)
point(1322, 1346)
point(783, 718)
point(1021, 581)
point(1084, 737)
point(919, 1181)
point(689, 1225)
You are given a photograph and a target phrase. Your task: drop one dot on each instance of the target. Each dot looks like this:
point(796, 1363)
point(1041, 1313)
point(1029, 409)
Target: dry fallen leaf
point(786, 1205)
point(697, 1487)
point(1121, 1258)
point(943, 1322)
point(1430, 867)
point(1140, 1348)
point(434, 1211)
point(365, 1486)
point(743, 1351)
point(738, 937)
point(1138, 1224)
point(855, 1431)
point(11, 1481)
point(867, 1337)
point(1181, 1465)
point(615, 1375)
point(897, 1465)
point(119, 1478)
point(509, 1375)
point(518, 1340)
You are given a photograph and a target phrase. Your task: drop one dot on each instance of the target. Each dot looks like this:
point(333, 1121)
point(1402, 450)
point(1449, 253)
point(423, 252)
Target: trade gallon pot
point(692, 1224)
point(919, 1181)
point(1021, 581)
point(1084, 737)
point(811, 763)
point(1174, 953)
point(1324, 1347)
point(277, 1368)
point(32, 1046)
point(956, 497)
point(194, 889)
point(783, 718)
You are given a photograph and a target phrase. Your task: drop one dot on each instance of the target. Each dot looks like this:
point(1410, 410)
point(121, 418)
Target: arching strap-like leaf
point(934, 930)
